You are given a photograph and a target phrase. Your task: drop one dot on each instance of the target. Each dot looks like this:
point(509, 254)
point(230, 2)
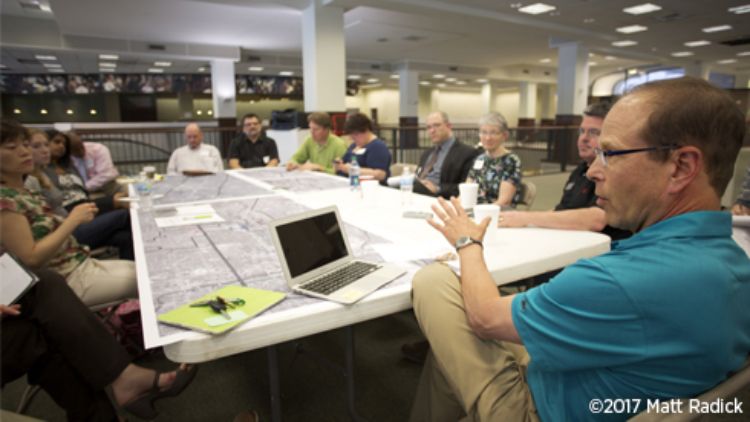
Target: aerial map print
point(179, 189)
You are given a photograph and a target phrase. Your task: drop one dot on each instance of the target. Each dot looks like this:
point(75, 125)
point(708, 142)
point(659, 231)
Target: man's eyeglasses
point(602, 154)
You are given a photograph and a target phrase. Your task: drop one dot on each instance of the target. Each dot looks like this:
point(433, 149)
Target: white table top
point(514, 255)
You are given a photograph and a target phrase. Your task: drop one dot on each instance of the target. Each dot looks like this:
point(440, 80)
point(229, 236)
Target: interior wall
point(506, 103)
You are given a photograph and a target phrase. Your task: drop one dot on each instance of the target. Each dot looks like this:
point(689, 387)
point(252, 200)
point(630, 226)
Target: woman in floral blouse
point(37, 236)
point(497, 171)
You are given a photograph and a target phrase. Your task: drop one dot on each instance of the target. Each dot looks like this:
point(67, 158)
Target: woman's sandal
point(143, 406)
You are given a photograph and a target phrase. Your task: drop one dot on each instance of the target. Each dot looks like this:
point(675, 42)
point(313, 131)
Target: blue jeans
point(108, 229)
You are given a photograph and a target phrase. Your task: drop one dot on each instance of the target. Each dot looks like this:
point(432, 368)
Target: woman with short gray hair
point(497, 171)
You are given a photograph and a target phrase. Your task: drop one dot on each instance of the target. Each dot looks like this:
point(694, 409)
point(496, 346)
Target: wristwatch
point(464, 241)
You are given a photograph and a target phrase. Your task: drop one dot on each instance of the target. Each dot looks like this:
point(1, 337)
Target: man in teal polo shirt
point(664, 315)
point(320, 149)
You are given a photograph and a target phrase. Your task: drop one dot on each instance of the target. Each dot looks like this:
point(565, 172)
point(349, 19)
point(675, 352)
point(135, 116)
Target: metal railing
point(542, 150)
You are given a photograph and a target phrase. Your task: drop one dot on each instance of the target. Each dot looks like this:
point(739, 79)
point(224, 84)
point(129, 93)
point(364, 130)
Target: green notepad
point(206, 320)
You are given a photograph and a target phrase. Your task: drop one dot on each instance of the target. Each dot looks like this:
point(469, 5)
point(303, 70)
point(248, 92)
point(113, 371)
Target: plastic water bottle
point(143, 188)
point(407, 186)
point(354, 174)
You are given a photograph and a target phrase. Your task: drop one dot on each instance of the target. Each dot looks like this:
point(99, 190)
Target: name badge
point(204, 152)
point(360, 151)
point(266, 159)
point(478, 164)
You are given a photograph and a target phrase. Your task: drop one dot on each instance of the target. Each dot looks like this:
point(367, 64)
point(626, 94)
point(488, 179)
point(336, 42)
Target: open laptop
point(316, 258)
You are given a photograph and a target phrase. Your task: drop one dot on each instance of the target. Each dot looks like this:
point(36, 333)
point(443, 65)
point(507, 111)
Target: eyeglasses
point(594, 133)
point(602, 154)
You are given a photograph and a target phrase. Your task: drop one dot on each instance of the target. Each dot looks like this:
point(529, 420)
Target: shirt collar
point(696, 224)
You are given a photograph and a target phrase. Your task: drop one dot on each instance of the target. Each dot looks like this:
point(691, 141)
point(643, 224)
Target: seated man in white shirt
point(195, 157)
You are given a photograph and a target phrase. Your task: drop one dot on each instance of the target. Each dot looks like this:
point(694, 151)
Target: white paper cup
point(488, 210)
point(150, 171)
point(370, 190)
point(467, 194)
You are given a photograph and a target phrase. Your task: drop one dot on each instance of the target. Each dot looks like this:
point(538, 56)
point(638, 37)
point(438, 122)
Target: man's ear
point(688, 164)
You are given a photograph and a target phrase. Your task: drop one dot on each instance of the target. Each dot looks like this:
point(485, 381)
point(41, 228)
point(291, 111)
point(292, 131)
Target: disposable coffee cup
point(488, 210)
point(467, 194)
point(150, 172)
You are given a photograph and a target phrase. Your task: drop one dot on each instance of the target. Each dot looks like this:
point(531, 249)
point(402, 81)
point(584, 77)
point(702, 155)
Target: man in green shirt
point(320, 149)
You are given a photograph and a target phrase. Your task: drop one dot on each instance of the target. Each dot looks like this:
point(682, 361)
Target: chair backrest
point(726, 390)
point(528, 194)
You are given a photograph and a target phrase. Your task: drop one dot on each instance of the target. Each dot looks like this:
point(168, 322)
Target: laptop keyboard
point(344, 276)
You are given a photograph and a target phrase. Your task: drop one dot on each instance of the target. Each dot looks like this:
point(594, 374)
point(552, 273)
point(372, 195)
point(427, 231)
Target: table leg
point(349, 375)
point(273, 375)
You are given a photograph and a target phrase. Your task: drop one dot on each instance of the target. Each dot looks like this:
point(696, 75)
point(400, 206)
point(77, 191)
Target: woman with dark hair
point(371, 152)
point(108, 229)
point(66, 177)
point(30, 230)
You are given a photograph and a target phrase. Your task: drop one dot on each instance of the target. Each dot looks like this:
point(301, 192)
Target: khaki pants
point(97, 282)
point(464, 376)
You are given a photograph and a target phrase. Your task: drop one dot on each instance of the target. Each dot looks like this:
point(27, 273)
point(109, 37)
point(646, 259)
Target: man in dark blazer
point(446, 165)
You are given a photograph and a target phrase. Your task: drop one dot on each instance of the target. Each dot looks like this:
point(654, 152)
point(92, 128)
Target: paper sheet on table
point(392, 252)
point(187, 215)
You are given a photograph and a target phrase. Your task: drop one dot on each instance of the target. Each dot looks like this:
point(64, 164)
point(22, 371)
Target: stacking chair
point(528, 194)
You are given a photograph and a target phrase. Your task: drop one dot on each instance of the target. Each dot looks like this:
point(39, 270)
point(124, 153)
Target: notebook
point(17, 280)
point(207, 320)
point(316, 259)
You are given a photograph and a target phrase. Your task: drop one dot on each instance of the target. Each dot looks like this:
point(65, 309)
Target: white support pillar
point(527, 101)
point(323, 57)
point(742, 81)
point(572, 78)
point(487, 97)
point(698, 69)
point(547, 101)
point(408, 90)
point(223, 89)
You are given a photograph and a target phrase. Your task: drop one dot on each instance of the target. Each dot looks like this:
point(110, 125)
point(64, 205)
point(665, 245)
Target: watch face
point(462, 241)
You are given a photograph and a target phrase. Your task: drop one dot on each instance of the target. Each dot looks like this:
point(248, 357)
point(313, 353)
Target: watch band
point(471, 241)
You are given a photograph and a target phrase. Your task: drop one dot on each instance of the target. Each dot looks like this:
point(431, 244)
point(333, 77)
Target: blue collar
point(691, 225)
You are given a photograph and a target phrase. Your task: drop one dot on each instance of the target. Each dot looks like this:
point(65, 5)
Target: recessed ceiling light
point(739, 10)
point(163, 64)
point(699, 43)
point(516, 5)
point(536, 8)
point(109, 57)
point(624, 43)
point(202, 69)
point(438, 76)
point(744, 53)
point(395, 76)
point(155, 70)
point(424, 83)
point(632, 72)
point(43, 111)
point(107, 64)
point(609, 57)
point(210, 112)
point(52, 65)
point(682, 54)
point(593, 63)
point(92, 112)
point(106, 70)
point(450, 79)
point(631, 29)
point(641, 9)
point(286, 73)
point(43, 57)
point(69, 111)
point(2, 66)
point(199, 112)
point(372, 80)
point(255, 68)
point(57, 70)
point(589, 20)
point(482, 81)
point(16, 111)
point(353, 77)
point(441, 85)
point(460, 82)
point(727, 61)
point(717, 28)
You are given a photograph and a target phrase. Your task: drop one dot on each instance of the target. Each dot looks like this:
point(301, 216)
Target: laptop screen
point(311, 243)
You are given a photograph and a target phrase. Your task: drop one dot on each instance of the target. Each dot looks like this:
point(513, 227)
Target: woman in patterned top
point(497, 171)
point(37, 236)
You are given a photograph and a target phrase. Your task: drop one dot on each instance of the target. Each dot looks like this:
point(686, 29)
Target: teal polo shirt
point(664, 314)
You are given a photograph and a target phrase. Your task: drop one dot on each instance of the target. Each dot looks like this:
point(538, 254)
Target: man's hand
point(341, 166)
point(10, 310)
point(739, 209)
point(513, 219)
point(291, 165)
point(311, 167)
point(429, 185)
point(455, 222)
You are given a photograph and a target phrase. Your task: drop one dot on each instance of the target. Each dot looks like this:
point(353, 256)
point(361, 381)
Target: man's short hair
point(248, 116)
point(443, 115)
point(494, 119)
point(12, 130)
point(357, 123)
point(320, 119)
point(691, 111)
point(599, 109)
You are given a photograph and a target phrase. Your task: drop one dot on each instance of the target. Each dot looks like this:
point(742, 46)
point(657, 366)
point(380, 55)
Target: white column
point(527, 100)
point(223, 89)
point(408, 92)
point(487, 96)
point(547, 101)
point(572, 78)
point(435, 99)
point(698, 69)
point(742, 81)
point(323, 58)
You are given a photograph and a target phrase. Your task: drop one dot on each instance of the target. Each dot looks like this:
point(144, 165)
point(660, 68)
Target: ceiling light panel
point(537, 8)
point(631, 29)
point(739, 10)
point(109, 57)
point(45, 57)
point(255, 68)
point(682, 54)
point(107, 64)
point(642, 9)
point(624, 43)
point(155, 70)
point(163, 64)
point(699, 43)
point(717, 28)
point(727, 61)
